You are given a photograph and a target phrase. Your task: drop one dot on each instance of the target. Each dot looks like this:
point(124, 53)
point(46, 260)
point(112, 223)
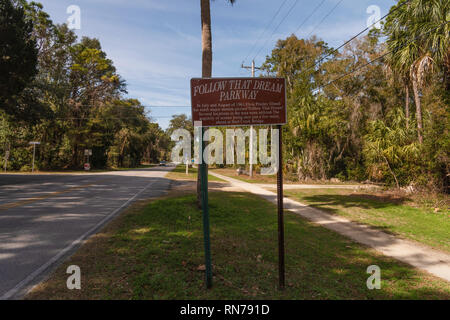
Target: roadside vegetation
point(376, 109)
point(66, 93)
point(155, 251)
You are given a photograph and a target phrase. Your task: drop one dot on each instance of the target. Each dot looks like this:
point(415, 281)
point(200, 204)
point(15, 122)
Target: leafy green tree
point(77, 103)
point(294, 59)
point(18, 54)
point(419, 37)
point(93, 82)
point(388, 147)
point(180, 122)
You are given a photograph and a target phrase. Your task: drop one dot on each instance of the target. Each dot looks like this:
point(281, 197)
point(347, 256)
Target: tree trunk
point(392, 172)
point(206, 68)
point(75, 163)
point(447, 71)
point(407, 105)
point(418, 110)
point(206, 39)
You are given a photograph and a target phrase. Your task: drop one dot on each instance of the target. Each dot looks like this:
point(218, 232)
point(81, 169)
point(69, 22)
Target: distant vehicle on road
point(163, 163)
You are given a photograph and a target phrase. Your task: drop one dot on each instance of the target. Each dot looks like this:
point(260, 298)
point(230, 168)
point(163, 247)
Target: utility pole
point(252, 68)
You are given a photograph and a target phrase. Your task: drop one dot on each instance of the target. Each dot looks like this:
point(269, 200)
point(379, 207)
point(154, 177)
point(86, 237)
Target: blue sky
point(156, 44)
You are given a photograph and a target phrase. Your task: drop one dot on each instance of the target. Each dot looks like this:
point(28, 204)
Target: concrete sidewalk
point(417, 255)
point(318, 186)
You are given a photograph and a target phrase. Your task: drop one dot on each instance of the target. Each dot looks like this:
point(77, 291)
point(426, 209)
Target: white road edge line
point(45, 266)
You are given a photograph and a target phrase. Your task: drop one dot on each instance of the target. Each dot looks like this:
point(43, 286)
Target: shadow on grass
point(363, 201)
point(331, 203)
point(321, 264)
point(155, 253)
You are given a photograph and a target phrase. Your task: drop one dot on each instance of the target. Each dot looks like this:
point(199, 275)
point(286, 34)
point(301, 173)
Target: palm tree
point(418, 71)
point(207, 57)
point(393, 74)
point(419, 39)
point(207, 37)
point(406, 85)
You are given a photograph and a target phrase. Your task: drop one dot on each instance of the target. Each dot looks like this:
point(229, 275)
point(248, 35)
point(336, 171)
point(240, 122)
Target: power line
point(117, 118)
point(266, 29)
point(310, 15)
point(167, 106)
point(124, 106)
point(301, 25)
point(274, 31)
point(379, 58)
point(324, 18)
point(353, 71)
point(357, 35)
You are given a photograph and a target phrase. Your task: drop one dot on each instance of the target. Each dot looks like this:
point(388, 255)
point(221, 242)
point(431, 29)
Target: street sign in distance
point(34, 142)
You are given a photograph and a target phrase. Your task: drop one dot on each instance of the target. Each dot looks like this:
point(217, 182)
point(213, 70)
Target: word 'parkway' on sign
point(239, 101)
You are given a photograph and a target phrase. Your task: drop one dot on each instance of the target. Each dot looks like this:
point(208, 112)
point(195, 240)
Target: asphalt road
point(44, 218)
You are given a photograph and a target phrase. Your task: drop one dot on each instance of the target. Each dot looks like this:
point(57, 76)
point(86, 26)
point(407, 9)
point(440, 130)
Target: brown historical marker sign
point(239, 101)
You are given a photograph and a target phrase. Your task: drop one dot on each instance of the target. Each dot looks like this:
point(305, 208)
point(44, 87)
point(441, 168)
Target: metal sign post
point(34, 152)
point(87, 165)
point(281, 271)
point(205, 208)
